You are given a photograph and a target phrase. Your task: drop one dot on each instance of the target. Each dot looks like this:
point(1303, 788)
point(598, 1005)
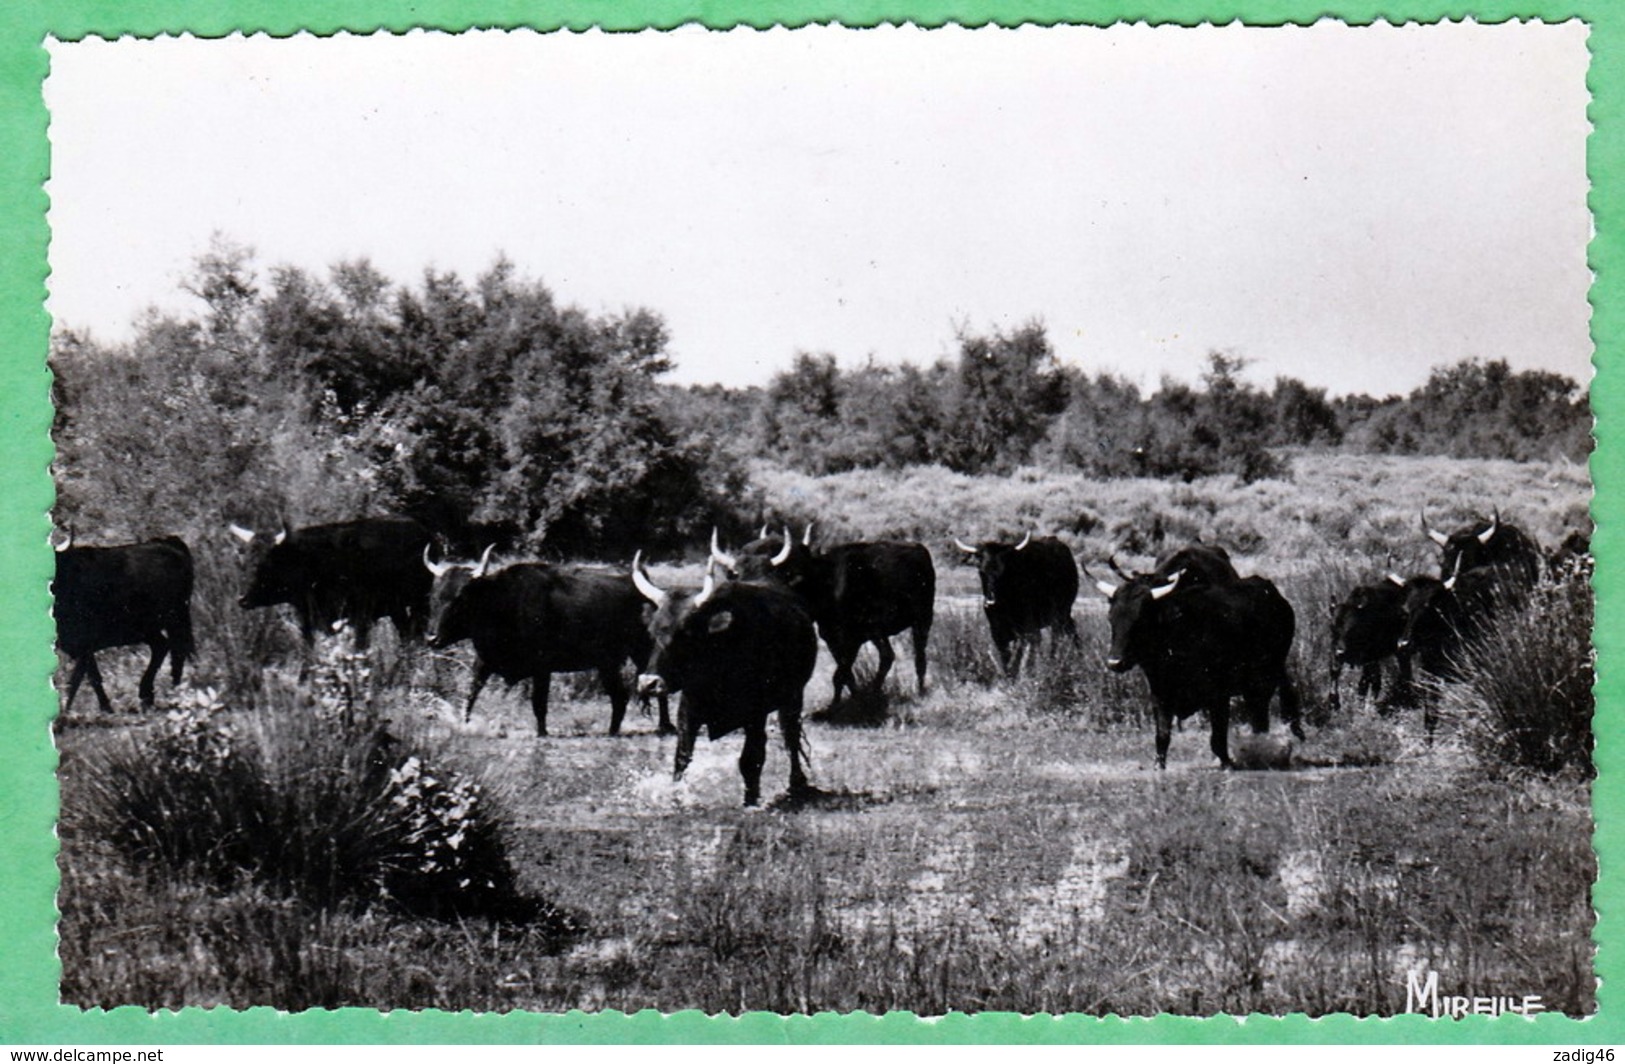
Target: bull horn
point(760, 535)
point(721, 555)
point(1028, 538)
point(1396, 579)
point(1168, 588)
point(967, 548)
point(1450, 585)
point(485, 562)
point(1112, 561)
point(1107, 589)
point(806, 536)
point(784, 551)
point(439, 569)
point(244, 534)
point(66, 544)
point(645, 586)
point(709, 586)
point(282, 536)
point(1488, 534)
point(1433, 533)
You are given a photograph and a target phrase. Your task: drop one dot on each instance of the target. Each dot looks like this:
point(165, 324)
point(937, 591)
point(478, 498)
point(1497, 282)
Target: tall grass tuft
point(1525, 697)
point(315, 798)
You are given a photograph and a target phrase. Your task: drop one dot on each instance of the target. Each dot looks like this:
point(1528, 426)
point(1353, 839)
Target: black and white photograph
point(1069, 519)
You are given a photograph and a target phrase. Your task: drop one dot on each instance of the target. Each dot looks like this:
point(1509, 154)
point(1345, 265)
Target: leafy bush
point(1526, 698)
point(315, 799)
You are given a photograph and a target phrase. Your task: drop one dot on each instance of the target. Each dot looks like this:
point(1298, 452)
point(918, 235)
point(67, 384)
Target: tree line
point(1006, 401)
point(492, 412)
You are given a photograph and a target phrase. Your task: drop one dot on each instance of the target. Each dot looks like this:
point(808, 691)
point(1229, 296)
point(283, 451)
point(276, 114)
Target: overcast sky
point(1349, 206)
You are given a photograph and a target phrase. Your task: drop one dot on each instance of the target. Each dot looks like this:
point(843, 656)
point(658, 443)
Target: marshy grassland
point(992, 844)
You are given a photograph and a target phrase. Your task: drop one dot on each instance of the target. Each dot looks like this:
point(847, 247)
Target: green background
point(29, 1011)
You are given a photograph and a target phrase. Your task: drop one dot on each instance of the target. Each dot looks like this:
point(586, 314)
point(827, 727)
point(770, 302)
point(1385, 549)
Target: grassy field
point(994, 844)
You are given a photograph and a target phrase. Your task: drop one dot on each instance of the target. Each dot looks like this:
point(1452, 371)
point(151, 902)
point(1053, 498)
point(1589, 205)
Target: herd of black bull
point(743, 647)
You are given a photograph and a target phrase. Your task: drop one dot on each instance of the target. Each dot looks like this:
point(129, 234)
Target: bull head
point(1433, 533)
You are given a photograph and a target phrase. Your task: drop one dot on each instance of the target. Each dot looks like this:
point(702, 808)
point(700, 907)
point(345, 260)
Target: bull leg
point(363, 632)
point(160, 647)
point(1257, 701)
point(790, 725)
point(887, 656)
point(1066, 627)
point(1003, 647)
point(919, 634)
point(93, 672)
point(81, 668)
point(482, 672)
point(687, 728)
point(1371, 675)
point(665, 717)
point(1219, 714)
point(1336, 698)
point(752, 759)
point(1165, 735)
point(1404, 686)
point(846, 655)
point(1291, 712)
point(541, 689)
point(610, 677)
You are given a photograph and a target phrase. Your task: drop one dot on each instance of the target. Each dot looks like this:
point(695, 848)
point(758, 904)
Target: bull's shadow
point(868, 707)
point(821, 800)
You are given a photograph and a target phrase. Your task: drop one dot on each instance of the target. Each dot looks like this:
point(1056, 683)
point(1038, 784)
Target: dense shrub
point(292, 397)
point(1479, 410)
point(317, 799)
point(1525, 700)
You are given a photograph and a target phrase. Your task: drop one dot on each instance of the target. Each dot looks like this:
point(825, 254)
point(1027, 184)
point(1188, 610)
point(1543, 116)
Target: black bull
point(531, 620)
point(1026, 587)
point(356, 571)
point(117, 596)
point(1200, 646)
point(737, 652)
point(1366, 631)
point(857, 593)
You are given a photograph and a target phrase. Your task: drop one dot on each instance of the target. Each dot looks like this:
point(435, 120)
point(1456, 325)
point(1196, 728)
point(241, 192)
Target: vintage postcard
point(1090, 519)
